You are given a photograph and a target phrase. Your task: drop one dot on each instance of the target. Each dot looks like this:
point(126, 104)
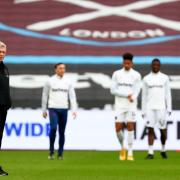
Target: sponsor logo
point(27, 129)
point(59, 90)
point(155, 86)
point(125, 84)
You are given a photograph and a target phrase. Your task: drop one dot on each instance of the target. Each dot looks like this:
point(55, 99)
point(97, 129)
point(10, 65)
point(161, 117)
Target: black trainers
point(51, 156)
point(2, 172)
point(149, 156)
point(164, 155)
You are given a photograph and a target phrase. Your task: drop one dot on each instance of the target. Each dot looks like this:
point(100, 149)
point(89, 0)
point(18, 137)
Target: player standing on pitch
point(156, 104)
point(126, 85)
point(56, 93)
point(5, 100)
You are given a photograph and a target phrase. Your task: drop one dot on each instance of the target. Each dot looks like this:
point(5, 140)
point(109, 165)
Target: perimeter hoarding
point(92, 130)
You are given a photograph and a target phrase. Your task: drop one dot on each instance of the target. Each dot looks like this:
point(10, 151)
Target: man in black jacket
point(5, 100)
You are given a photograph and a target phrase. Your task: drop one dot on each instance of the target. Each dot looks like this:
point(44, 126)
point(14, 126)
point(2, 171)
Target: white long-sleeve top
point(156, 93)
point(123, 84)
point(57, 92)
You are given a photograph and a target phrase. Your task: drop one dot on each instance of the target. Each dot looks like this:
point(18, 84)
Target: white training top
point(56, 93)
point(123, 84)
point(156, 93)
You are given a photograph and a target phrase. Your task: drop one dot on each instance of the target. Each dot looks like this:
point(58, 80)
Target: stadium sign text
point(85, 33)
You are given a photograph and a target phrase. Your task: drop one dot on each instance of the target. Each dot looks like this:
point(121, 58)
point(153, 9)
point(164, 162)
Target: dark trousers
point(3, 114)
point(58, 118)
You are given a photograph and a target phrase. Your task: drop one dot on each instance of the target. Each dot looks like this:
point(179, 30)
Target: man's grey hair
point(2, 45)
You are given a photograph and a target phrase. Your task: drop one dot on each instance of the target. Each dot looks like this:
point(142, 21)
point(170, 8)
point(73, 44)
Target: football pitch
point(88, 165)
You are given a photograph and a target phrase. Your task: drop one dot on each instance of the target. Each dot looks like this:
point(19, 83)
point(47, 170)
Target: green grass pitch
point(88, 165)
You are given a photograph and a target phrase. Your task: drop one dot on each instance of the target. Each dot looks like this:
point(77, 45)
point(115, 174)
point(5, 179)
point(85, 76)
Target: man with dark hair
point(156, 104)
point(128, 56)
point(126, 87)
point(56, 93)
point(56, 65)
point(5, 100)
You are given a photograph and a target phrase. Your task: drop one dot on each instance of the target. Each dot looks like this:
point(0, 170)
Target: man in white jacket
point(126, 84)
point(56, 93)
point(156, 105)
